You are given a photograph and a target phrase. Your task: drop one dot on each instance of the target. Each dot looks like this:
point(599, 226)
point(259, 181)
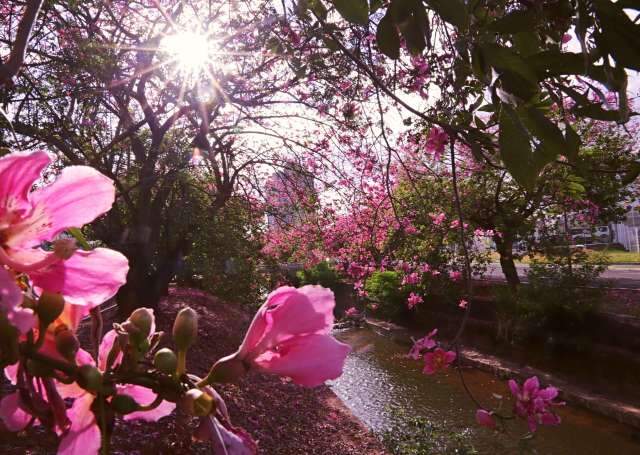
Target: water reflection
point(378, 379)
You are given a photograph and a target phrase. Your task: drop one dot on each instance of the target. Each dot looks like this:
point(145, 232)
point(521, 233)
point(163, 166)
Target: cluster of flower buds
point(48, 285)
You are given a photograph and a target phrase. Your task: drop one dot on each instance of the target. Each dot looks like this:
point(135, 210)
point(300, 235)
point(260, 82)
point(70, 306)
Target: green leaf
point(551, 142)
point(595, 111)
point(80, 238)
point(388, 38)
point(453, 11)
point(573, 143)
point(619, 36)
point(514, 22)
point(505, 59)
point(356, 11)
point(515, 148)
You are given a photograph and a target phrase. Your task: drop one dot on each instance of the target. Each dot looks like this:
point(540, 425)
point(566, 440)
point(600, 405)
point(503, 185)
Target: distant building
point(291, 194)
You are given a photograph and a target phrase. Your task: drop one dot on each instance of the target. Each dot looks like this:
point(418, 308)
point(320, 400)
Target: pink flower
point(485, 418)
point(455, 275)
point(413, 300)
point(289, 336)
point(22, 319)
point(437, 360)
point(533, 403)
point(351, 312)
point(28, 218)
point(463, 304)
point(423, 344)
point(436, 141)
point(412, 278)
point(438, 219)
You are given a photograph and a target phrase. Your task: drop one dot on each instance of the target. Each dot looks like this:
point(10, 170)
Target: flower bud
point(50, 306)
point(485, 418)
point(124, 404)
point(64, 248)
point(66, 343)
point(227, 369)
point(185, 328)
point(144, 321)
point(165, 360)
point(197, 403)
point(89, 378)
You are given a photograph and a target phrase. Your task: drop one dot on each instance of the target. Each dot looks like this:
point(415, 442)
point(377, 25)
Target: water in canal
point(378, 382)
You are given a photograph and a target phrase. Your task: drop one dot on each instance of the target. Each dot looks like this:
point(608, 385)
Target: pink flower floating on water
point(414, 300)
point(534, 404)
point(463, 304)
point(425, 343)
point(351, 312)
point(437, 360)
point(485, 418)
point(289, 336)
point(28, 218)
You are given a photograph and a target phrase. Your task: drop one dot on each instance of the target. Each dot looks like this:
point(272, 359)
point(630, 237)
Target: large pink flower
point(28, 218)
point(289, 336)
point(534, 404)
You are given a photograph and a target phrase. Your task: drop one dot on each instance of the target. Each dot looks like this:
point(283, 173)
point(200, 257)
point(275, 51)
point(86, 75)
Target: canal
point(391, 396)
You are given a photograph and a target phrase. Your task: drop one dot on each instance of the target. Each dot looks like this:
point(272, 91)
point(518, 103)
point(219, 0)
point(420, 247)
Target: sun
point(191, 51)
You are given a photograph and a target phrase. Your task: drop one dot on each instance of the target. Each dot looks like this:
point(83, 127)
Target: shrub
point(323, 274)
point(385, 289)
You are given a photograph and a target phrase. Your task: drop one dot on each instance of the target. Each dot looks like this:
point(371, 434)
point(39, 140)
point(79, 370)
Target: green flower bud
point(185, 328)
point(66, 343)
point(197, 403)
point(227, 369)
point(143, 319)
point(50, 306)
point(89, 378)
point(124, 404)
point(165, 360)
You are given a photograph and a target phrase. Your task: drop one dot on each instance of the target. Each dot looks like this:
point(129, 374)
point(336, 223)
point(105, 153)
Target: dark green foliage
point(323, 274)
point(384, 288)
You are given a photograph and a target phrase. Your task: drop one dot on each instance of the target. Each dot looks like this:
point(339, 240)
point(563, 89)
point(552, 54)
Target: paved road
point(620, 276)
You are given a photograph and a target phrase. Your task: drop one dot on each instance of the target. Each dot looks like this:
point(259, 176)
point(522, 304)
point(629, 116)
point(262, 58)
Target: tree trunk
point(504, 245)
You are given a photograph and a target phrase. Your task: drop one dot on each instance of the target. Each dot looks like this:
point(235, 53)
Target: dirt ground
point(282, 417)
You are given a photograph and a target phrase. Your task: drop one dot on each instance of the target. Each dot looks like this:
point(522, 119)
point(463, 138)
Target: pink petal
point(78, 196)
point(143, 397)
point(18, 172)
point(485, 418)
point(22, 319)
point(548, 394)
point(513, 386)
point(225, 440)
point(14, 417)
point(105, 348)
point(449, 356)
point(308, 360)
point(308, 310)
point(84, 435)
point(87, 278)
point(531, 386)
